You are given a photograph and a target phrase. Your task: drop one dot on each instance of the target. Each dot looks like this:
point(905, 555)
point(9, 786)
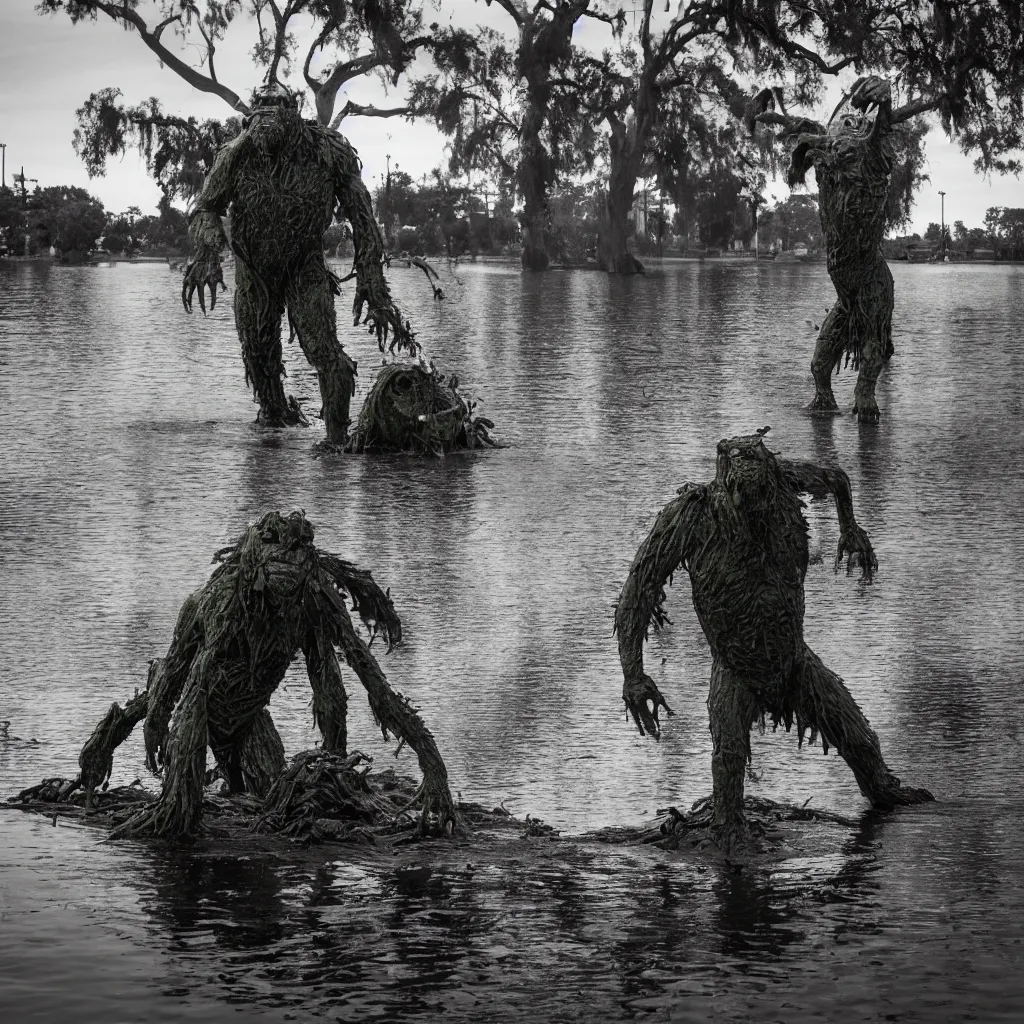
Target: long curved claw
point(437, 810)
point(201, 274)
point(382, 321)
point(870, 90)
point(643, 701)
point(855, 545)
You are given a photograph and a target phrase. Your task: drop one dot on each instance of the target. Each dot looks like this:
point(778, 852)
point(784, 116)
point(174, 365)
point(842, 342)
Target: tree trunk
point(614, 256)
point(535, 177)
point(544, 43)
point(626, 144)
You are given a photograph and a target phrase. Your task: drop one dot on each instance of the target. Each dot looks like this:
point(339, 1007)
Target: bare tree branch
point(129, 16)
point(366, 110)
point(510, 8)
point(914, 107)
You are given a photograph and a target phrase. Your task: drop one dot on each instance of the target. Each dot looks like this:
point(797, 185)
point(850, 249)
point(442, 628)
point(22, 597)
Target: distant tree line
point(1001, 237)
point(74, 223)
point(554, 127)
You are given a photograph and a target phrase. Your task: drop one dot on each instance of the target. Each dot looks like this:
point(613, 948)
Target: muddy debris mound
point(320, 798)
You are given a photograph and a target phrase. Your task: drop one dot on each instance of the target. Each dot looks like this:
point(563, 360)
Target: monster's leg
point(261, 754)
point(732, 710)
point(180, 806)
point(825, 706)
point(258, 312)
point(827, 352)
point(310, 300)
point(876, 301)
point(330, 702)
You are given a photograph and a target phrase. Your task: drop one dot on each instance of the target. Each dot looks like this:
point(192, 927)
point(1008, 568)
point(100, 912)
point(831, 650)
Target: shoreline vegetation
point(785, 256)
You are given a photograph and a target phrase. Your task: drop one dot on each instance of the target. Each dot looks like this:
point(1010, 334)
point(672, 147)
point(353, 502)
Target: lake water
point(130, 455)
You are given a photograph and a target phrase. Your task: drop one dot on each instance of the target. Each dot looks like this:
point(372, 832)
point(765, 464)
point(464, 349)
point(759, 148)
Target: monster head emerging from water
point(412, 408)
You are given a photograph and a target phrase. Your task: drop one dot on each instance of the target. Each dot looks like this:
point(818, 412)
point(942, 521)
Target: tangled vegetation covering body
point(853, 159)
point(743, 540)
point(273, 595)
point(413, 408)
point(282, 178)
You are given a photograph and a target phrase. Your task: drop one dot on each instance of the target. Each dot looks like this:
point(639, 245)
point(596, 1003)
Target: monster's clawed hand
point(643, 701)
point(201, 273)
point(384, 319)
point(855, 546)
point(870, 91)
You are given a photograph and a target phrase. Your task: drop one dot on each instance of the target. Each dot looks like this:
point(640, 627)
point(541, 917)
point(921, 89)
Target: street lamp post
point(3, 165)
point(942, 218)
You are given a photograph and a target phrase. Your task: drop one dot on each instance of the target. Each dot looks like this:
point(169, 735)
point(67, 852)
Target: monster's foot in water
point(288, 416)
point(866, 410)
point(824, 401)
point(901, 796)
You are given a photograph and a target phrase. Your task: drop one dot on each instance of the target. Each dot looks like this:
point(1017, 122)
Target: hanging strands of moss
point(272, 595)
point(412, 408)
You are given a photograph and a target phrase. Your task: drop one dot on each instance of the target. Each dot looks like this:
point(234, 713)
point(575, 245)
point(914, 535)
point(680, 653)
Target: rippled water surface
point(130, 455)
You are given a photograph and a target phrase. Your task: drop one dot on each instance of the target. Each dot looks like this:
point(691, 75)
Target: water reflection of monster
point(272, 595)
point(743, 540)
point(412, 408)
point(283, 178)
point(852, 158)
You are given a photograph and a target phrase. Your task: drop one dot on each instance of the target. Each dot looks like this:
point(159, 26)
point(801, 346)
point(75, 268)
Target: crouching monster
point(272, 595)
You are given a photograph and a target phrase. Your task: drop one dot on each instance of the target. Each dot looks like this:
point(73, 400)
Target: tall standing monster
point(743, 540)
point(282, 179)
point(853, 159)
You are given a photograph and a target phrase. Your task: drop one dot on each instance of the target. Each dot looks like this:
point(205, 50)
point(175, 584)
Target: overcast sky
point(49, 67)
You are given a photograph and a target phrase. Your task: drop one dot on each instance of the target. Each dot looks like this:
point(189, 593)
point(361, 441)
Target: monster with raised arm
point(281, 180)
point(743, 540)
point(853, 160)
point(272, 595)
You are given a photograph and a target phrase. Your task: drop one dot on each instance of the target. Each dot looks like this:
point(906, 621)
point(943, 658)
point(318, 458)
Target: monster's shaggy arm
point(382, 315)
point(205, 230)
point(673, 538)
point(396, 716)
point(168, 679)
point(806, 477)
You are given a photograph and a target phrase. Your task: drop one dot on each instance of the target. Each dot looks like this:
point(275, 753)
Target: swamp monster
point(282, 179)
point(413, 408)
point(743, 540)
point(852, 158)
point(272, 595)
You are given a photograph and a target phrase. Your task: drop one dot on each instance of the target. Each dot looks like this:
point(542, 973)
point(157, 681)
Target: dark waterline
point(130, 456)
